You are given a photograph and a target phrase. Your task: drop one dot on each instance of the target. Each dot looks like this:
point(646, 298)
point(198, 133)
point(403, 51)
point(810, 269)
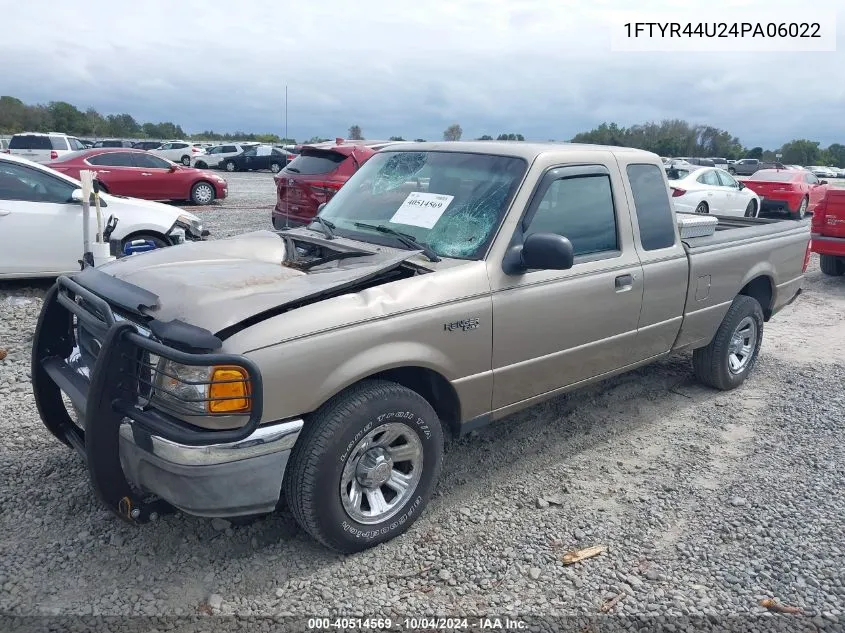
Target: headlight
point(193, 224)
point(202, 389)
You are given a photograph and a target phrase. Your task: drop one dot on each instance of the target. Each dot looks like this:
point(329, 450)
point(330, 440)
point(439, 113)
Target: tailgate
point(829, 220)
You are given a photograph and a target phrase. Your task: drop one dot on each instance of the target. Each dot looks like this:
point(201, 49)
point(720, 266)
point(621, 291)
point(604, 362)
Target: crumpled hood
point(219, 283)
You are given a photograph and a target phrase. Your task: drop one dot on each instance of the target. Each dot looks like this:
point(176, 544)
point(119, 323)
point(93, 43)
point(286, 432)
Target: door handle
point(624, 283)
point(104, 171)
point(4, 212)
point(144, 173)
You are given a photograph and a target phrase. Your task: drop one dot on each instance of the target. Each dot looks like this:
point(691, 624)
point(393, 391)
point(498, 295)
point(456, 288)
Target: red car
point(828, 232)
point(315, 175)
point(139, 174)
point(794, 191)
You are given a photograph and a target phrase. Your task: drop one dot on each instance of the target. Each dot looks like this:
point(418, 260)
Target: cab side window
point(652, 206)
point(581, 209)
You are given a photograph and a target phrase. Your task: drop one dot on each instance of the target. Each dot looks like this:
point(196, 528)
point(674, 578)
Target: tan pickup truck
point(445, 286)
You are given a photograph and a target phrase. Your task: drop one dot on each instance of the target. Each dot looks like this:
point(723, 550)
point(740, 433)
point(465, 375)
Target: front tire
point(732, 171)
point(202, 193)
point(201, 165)
point(729, 358)
point(365, 466)
point(832, 265)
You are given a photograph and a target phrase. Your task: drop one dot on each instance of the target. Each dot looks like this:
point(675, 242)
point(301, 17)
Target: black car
point(259, 157)
point(147, 145)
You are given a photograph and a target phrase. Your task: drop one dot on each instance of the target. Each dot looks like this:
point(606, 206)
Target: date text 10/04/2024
point(723, 29)
point(418, 623)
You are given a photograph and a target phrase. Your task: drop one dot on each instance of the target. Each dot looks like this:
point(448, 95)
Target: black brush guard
point(112, 394)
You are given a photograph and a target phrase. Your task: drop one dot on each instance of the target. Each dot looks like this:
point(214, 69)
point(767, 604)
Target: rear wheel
point(186, 160)
point(751, 210)
point(726, 362)
point(365, 465)
point(202, 193)
point(832, 265)
point(702, 207)
point(230, 166)
point(801, 213)
point(275, 167)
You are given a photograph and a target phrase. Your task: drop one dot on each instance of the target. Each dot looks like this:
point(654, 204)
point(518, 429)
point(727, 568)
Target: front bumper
point(218, 480)
point(134, 446)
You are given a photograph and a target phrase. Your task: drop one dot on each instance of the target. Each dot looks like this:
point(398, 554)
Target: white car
point(178, 151)
point(43, 147)
point(711, 190)
point(819, 171)
point(214, 156)
point(41, 220)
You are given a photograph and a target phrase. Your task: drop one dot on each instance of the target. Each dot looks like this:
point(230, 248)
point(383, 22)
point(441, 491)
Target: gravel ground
point(707, 502)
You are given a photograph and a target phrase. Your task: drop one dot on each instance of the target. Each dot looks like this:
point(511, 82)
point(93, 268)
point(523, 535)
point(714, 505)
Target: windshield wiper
point(408, 240)
point(325, 225)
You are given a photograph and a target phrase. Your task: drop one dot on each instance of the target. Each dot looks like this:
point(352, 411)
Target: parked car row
point(140, 174)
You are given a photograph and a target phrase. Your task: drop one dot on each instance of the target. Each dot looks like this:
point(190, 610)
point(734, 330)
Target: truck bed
point(761, 257)
point(733, 229)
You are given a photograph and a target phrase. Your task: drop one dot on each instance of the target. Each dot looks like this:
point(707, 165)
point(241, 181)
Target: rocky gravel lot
point(707, 502)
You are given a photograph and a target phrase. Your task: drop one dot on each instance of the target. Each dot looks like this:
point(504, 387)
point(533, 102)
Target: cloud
point(543, 69)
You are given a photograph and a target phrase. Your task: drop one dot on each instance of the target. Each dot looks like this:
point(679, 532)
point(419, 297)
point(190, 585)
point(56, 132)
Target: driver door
point(40, 227)
point(554, 328)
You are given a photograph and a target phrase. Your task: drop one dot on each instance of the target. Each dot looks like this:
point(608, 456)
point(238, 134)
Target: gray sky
point(544, 69)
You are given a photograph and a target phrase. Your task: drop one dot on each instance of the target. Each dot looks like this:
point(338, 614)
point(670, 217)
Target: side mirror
point(822, 182)
point(320, 208)
point(174, 167)
point(539, 251)
point(76, 195)
point(740, 184)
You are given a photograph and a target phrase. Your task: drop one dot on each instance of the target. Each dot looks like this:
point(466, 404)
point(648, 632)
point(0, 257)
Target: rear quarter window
point(315, 161)
point(652, 206)
point(59, 142)
point(30, 142)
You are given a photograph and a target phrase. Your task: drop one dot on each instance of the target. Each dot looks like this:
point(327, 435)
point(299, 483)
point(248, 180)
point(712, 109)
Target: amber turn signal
point(229, 391)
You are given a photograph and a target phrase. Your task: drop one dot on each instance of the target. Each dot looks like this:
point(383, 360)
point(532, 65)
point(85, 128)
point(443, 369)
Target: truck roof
point(520, 149)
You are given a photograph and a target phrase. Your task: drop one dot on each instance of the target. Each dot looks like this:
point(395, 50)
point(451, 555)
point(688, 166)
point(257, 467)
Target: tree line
point(671, 137)
point(60, 116)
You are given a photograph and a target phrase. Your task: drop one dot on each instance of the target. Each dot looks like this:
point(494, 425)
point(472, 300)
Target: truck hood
point(220, 283)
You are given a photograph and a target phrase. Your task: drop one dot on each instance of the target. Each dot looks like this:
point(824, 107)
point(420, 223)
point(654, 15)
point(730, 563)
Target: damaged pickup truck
point(443, 287)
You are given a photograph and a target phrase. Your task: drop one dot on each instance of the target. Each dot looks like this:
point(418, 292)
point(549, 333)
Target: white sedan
point(41, 220)
point(711, 190)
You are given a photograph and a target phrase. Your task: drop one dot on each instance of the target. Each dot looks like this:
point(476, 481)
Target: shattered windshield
point(453, 202)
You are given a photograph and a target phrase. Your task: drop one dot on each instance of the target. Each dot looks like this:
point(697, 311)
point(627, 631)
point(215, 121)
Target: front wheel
point(732, 171)
point(832, 265)
point(726, 362)
point(202, 193)
point(365, 466)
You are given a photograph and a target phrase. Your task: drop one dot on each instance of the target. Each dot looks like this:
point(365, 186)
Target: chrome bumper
point(216, 480)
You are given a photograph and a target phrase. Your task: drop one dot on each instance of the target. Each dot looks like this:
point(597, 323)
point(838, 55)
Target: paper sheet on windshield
point(422, 209)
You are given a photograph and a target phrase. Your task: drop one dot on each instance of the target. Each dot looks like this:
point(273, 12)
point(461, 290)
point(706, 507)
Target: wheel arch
point(762, 289)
